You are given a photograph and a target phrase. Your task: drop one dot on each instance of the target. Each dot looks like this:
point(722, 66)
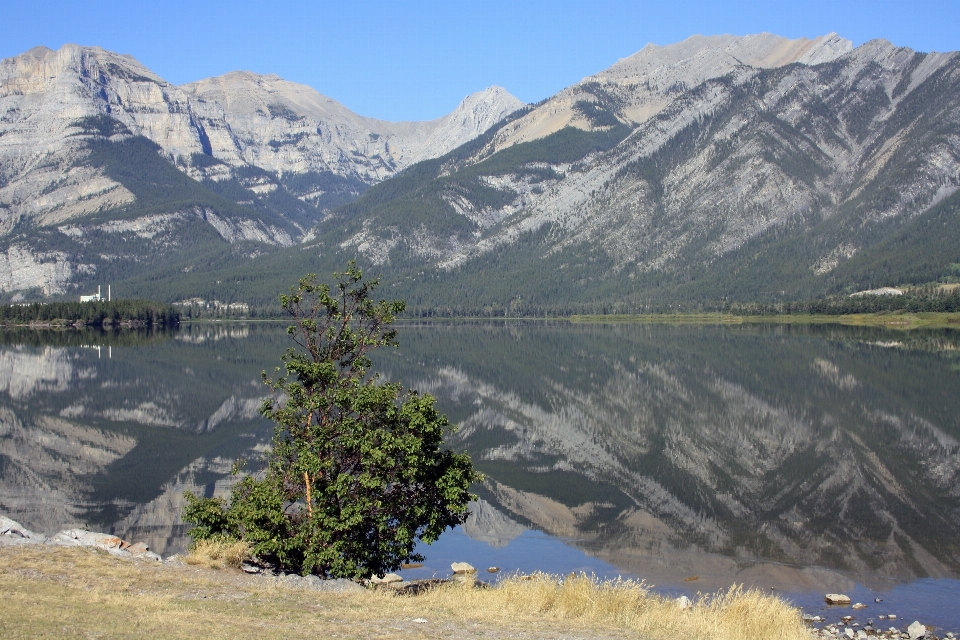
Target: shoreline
point(79, 592)
point(894, 320)
point(59, 551)
point(926, 320)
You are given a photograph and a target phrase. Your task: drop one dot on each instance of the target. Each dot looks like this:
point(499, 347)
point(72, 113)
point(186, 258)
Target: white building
point(96, 297)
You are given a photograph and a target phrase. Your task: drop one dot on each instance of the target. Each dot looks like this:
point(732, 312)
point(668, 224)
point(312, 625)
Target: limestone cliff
point(241, 119)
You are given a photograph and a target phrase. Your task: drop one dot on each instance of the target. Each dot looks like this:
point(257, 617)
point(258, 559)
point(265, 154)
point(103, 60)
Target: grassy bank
point(58, 592)
point(892, 320)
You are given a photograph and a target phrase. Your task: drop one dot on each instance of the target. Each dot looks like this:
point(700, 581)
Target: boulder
point(12, 532)
point(462, 567)
point(849, 633)
point(916, 630)
point(105, 541)
point(836, 598)
point(684, 602)
point(390, 578)
point(84, 538)
point(138, 548)
point(859, 605)
point(13, 528)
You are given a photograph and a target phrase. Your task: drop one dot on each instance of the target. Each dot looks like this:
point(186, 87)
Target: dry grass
point(218, 554)
point(81, 593)
point(627, 605)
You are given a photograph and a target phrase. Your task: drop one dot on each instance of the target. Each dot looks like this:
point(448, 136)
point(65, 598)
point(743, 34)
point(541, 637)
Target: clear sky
point(415, 60)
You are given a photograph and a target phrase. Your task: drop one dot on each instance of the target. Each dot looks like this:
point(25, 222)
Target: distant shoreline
point(925, 320)
point(906, 320)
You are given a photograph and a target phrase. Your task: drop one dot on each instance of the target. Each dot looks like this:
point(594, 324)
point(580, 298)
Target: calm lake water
point(800, 460)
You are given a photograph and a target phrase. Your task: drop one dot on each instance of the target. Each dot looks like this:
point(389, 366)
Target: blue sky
point(415, 60)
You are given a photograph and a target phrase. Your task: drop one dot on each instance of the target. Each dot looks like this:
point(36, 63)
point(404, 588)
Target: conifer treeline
point(924, 299)
point(140, 312)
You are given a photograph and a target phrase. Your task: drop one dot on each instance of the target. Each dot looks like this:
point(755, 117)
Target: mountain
point(717, 169)
point(87, 136)
point(644, 84)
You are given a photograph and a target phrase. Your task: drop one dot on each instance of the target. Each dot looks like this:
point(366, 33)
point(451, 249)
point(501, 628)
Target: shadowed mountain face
point(788, 457)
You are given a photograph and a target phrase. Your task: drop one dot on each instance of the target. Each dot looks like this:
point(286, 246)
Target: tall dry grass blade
point(218, 553)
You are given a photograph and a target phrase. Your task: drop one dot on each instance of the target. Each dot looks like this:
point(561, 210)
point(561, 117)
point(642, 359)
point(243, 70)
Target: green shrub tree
point(357, 474)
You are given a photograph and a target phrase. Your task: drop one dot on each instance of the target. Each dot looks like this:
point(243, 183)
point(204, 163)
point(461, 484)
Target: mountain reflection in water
point(729, 453)
point(792, 457)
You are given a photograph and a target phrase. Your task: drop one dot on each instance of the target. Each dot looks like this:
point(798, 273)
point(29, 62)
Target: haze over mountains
point(720, 167)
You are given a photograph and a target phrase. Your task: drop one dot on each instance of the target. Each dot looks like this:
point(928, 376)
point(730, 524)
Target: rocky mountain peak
point(475, 114)
point(492, 97)
point(699, 56)
point(825, 49)
point(638, 87)
point(247, 93)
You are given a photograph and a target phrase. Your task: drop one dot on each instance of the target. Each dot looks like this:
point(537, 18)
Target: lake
point(800, 460)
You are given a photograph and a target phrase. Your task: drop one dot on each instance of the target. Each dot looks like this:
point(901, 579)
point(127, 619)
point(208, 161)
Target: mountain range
point(716, 169)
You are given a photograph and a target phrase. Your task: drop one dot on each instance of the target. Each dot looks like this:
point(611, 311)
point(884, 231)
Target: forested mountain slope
point(717, 169)
point(761, 183)
point(97, 153)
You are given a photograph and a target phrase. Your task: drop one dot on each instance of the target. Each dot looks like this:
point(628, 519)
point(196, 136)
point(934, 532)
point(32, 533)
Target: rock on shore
point(14, 533)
